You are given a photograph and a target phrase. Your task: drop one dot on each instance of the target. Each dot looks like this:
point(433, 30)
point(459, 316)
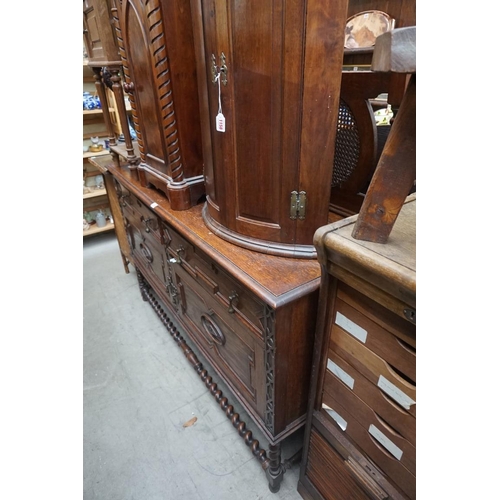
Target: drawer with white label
point(375, 369)
point(385, 399)
point(379, 442)
point(392, 349)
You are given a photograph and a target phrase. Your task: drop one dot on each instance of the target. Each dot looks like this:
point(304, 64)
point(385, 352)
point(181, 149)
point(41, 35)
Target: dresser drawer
point(147, 250)
point(388, 346)
point(332, 475)
point(340, 376)
point(403, 450)
point(374, 368)
point(234, 351)
point(231, 295)
point(140, 215)
point(384, 447)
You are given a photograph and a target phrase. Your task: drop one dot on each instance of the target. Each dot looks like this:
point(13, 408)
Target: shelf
point(92, 111)
point(90, 154)
point(94, 229)
point(93, 194)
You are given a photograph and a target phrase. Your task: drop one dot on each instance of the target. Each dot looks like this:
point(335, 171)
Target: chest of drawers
point(251, 315)
point(360, 437)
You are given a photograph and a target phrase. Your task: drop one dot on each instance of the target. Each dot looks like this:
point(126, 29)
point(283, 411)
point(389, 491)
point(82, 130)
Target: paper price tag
point(220, 123)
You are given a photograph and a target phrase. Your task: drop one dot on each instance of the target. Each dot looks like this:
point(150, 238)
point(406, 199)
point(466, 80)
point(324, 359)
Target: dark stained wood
point(257, 271)
point(156, 47)
point(280, 105)
point(228, 409)
point(251, 315)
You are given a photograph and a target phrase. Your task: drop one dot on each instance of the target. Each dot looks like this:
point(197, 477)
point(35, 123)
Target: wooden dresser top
point(277, 280)
point(390, 266)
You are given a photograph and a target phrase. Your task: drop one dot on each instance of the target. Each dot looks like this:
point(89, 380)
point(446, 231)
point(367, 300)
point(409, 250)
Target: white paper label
point(340, 421)
point(385, 442)
point(395, 392)
point(341, 374)
point(220, 123)
point(154, 204)
point(351, 327)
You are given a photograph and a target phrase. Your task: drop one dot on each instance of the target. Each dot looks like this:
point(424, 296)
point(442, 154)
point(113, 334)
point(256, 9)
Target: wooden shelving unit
point(94, 126)
point(95, 230)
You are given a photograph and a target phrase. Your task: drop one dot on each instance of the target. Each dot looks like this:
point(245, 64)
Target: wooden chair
point(395, 174)
point(359, 141)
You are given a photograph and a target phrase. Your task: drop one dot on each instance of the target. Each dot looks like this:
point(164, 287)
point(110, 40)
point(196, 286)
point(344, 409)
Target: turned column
point(117, 89)
point(101, 92)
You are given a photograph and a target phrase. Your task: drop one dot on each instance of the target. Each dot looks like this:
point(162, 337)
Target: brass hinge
point(298, 205)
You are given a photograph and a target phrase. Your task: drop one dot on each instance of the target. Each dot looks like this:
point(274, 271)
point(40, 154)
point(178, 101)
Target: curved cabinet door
point(273, 69)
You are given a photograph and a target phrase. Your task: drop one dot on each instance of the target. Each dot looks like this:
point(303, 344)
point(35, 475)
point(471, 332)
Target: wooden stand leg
point(275, 471)
point(393, 177)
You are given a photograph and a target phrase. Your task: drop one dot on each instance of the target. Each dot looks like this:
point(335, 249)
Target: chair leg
point(394, 176)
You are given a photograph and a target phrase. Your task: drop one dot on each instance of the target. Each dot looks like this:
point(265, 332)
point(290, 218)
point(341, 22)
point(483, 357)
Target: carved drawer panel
point(341, 377)
point(140, 215)
point(383, 445)
point(243, 306)
point(232, 349)
point(146, 249)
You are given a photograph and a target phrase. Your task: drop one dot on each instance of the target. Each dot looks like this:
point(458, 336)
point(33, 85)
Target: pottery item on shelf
point(91, 101)
point(95, 147)
point(99, 182)
point(100, 219)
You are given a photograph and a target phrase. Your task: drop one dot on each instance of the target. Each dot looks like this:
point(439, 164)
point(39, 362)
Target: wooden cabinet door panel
point(279, 68)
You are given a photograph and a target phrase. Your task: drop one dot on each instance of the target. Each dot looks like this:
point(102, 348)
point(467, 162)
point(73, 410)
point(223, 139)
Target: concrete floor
point(139, 390)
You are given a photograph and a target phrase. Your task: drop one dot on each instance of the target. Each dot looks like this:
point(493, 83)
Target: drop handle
point(180, 252)
point(146, 223)
point(233, 301)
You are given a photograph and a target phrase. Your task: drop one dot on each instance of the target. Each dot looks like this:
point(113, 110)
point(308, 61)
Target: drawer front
point(327, 471)
point(374, 368)
point(392, 349)
point(340, 376)
point(234, 352)
point(147, 250)
point(231, 295)
point(393, 455)
point(140, 214)
point(401, 448)
point(388, 320)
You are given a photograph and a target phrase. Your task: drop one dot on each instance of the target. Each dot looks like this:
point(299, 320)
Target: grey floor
point(139, 390)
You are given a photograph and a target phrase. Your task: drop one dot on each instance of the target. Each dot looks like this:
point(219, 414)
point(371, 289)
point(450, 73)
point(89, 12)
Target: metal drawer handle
point(146, 223)
point(233, 301)
point(212, 328)
point(181, 253)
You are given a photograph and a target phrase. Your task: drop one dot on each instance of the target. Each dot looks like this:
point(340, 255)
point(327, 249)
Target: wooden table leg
point(394, 176)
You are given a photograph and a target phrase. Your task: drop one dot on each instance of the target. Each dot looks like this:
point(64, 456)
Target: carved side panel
point(270, 350)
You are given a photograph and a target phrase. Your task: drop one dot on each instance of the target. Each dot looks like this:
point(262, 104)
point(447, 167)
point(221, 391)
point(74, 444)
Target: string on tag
point(220, 121)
